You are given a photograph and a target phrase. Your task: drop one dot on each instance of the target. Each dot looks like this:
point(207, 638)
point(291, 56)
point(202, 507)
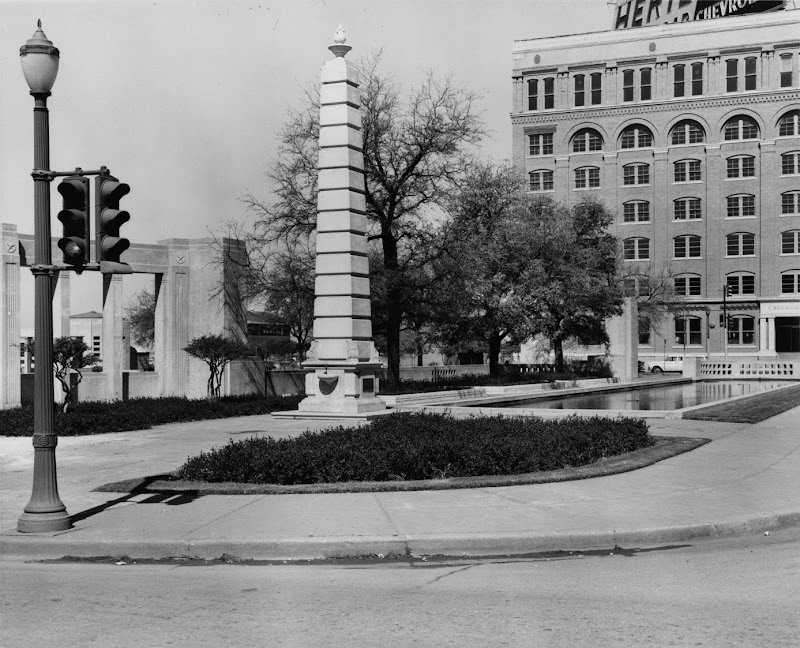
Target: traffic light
point(108, 220)
point(722, 321)
point(75, 218)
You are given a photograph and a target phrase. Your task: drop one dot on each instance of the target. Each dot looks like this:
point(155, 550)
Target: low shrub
point(96, 417)
point(411, 446)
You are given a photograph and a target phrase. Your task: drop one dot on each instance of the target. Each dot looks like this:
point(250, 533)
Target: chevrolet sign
point(639, 13)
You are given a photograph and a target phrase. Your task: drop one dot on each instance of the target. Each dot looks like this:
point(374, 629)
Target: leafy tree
point(141, 315)
point(492, 265)
point(69, 355)
point(577, 289)
point(415, 146)
point(216, 351)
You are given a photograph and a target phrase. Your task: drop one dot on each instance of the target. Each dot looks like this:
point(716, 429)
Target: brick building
point(690, 133)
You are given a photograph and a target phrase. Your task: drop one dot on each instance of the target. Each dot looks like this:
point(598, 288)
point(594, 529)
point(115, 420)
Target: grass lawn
point(752, 409)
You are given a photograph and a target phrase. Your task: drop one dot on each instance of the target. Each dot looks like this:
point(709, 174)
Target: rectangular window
point(549, 92)
point(636, 249)
point(587, 178)
point(750, 73)
point(741, 206)
point(533, 94)
point(687, 331)
point(680, 172)
point(732, 75)
point(678, 82)
point(786, 71)
point(790, 242)
point(597, 88)
point(627, 85)
point(541, 144)
point(687, 286)
point(789, 164)
point(742, 167)
point(579, 90)
point(697, 79)
point(645, 84)
point(688, 208)
point(636, 174)
point(636, 212)
point(694, 171)
point(790, 203)
point(790, 283)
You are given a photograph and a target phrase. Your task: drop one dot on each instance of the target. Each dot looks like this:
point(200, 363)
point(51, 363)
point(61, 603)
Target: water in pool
point(668, 397)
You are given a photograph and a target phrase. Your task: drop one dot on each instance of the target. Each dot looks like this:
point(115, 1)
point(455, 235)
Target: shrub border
point(664, 448)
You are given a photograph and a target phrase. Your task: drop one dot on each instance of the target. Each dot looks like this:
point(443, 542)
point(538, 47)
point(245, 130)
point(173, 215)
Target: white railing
point(751, 369)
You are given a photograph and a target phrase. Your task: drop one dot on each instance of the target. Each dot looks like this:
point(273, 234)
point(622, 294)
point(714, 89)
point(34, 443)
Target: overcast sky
point(182, 99)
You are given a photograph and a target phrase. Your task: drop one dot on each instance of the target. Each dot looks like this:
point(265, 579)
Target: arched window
point(789, 124)
point(636, 211)
point(688, 285)
point(541, 180)
point(636, 137)
point(790, 282)
point(687, 132)
point(790, 203)
point(741, 128)
point(741, 206)
point(585, 140)
point(741, 166)
point(687, 209)
point(688, 330)
point(687, 246)
point(636, 249)
point(741, 283)
point(741, 330)
point(636, 174)
point(790, 242)
point(740, 244)
point(587, 178)
point(687, 171)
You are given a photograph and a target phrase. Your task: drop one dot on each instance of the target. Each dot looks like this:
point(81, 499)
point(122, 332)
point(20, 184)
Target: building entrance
point(787, 334)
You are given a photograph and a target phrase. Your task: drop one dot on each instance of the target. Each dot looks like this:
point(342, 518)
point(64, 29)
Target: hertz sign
point(639, 13)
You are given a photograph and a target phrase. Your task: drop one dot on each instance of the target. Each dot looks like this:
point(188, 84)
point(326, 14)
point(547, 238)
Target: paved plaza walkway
point(746, 480)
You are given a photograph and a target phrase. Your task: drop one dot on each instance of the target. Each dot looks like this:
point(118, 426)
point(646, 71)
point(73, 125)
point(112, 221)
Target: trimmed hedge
point(96, 417)
point(509, 375)
point(411, 446)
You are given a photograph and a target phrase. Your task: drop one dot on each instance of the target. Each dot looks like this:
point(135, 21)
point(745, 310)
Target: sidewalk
point(745, 480)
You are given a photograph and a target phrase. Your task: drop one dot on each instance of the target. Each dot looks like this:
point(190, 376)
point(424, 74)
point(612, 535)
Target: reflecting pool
point(668, 397)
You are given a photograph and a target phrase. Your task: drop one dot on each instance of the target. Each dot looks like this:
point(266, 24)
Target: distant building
point(690, 133)
point(265, 333)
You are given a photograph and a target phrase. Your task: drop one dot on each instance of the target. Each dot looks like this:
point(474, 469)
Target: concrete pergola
point(188, 304)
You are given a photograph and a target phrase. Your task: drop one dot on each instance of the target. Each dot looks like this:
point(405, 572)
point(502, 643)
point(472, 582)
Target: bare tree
point(415, 153)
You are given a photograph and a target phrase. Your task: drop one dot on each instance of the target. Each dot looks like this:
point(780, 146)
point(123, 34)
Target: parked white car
point(670, 363)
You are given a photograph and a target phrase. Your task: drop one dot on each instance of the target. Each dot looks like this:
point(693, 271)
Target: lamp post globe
point(45, 512)
point(39, 59)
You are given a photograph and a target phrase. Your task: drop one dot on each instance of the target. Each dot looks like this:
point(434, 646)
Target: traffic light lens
point(72, 249)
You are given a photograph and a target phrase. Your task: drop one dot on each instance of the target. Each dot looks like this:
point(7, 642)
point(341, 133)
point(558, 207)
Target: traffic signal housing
point(109, 218)
point(75, 242)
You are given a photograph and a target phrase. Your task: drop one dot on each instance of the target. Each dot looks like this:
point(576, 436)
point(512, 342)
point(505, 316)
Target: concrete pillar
point(342, 364)
point(9, 317)
point(623, 336)
point(771, 335)
point(172, 327)
point(113, 342)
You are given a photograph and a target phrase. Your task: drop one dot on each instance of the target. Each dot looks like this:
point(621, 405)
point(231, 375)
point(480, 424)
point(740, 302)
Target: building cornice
point(640, 109)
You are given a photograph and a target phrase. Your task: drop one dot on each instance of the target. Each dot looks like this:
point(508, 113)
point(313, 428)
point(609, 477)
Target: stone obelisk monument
point(342, 365)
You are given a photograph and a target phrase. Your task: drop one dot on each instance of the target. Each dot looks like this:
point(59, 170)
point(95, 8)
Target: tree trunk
point(559, 352)
point(494, 354)
point(394, 309)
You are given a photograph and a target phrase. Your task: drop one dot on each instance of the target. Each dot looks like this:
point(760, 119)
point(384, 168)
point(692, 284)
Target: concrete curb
point(18, 547)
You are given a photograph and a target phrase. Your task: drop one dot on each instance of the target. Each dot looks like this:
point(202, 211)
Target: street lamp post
point(45, 511)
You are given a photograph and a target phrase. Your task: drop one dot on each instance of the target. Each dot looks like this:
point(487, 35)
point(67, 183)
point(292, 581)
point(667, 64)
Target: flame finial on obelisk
point(338, 47)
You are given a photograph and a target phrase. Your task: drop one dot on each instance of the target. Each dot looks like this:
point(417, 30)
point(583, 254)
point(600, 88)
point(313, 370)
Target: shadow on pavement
point(160, 496)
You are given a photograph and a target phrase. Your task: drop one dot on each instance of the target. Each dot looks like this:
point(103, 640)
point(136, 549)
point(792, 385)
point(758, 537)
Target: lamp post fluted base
point(45, 512)
point(44, 522)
